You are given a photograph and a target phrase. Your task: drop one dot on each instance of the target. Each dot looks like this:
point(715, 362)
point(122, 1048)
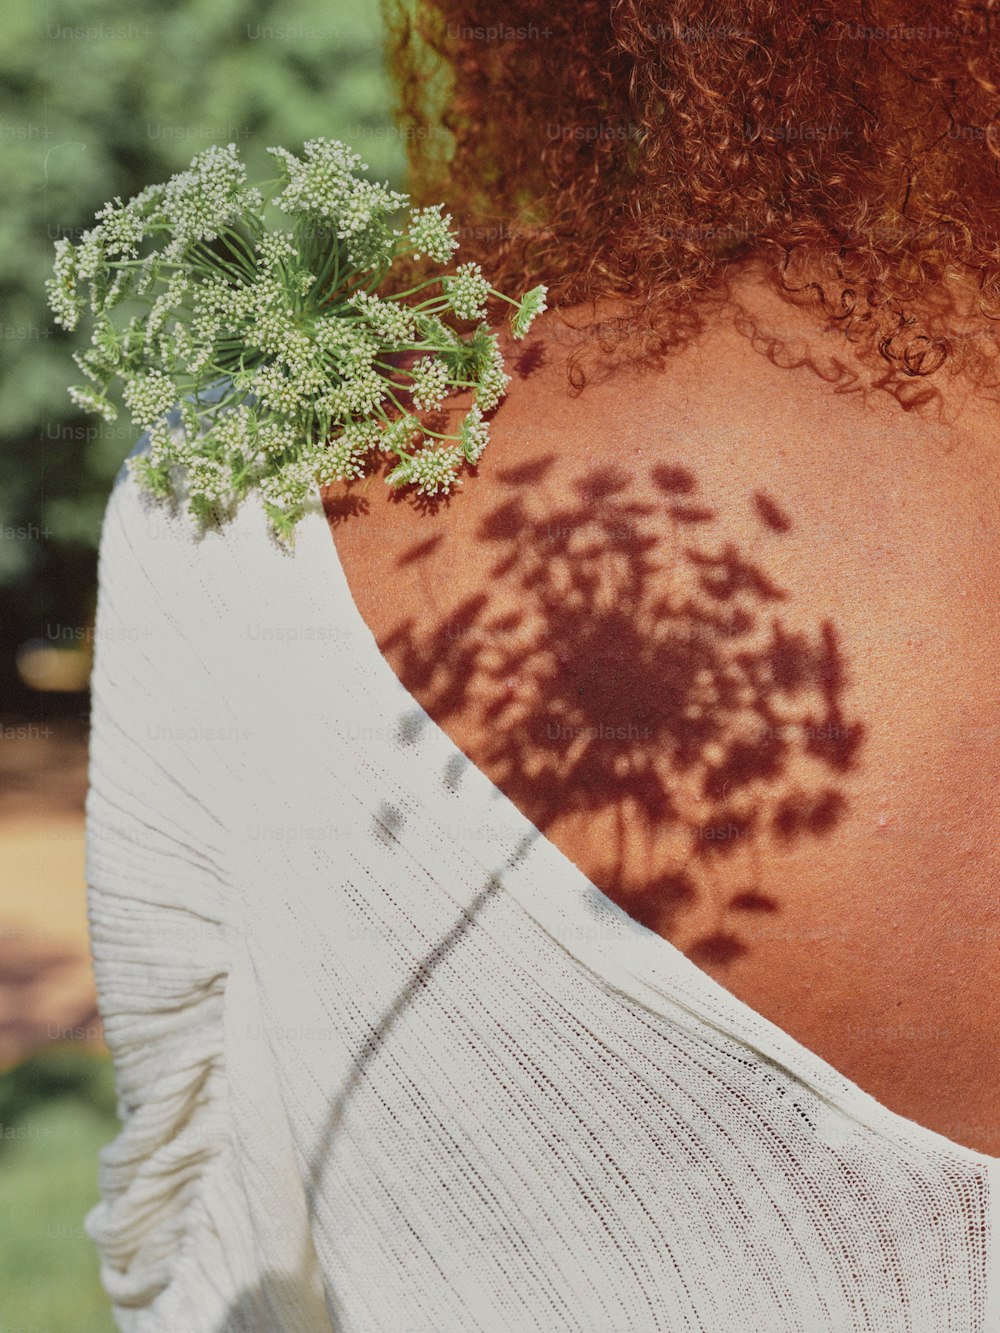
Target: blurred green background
point(98, 100)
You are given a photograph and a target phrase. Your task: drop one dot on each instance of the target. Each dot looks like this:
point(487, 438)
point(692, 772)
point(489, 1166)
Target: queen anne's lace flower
point(324, 185)
point(235, 430)
point(209, 478)
point(529, 308)
point(200, 203)
point(347, 457)
point(391, 322)
point(436, 470)
point(398, 436)
point(91, 261)
point(467, 291)
point(493, 379)
point(289, 488)
point(121, 229)
point(150, 396)
point(273, 389)
point(65, 301)
point(474, 434)
point(268, 359)
point(275, 247)
point(364, 392)
point(430, 233)
point(91, 401)
point(317, 183)
point(168, 300)
point(429, 384)
point(277, 438)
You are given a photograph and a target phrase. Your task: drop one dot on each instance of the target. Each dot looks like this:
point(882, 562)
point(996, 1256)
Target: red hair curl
point(633, 149)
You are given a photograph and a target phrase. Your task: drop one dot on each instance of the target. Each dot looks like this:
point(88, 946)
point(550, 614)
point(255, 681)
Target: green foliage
point(98, 100)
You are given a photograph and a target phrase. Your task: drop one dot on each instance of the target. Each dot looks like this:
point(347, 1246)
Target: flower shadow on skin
point(645, 673)
point(603, 684)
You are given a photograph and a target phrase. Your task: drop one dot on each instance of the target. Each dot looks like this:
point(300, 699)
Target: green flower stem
point(452, 384)
point(332, 261)
point(411, 291)
point(509, 299)
point(432, 306)
point(218, 262)
point(396, 403)
point(440, 348)
point(377, 277)
point(424, 429)
point(253, 259)
point(115, 264)
point(387, 365)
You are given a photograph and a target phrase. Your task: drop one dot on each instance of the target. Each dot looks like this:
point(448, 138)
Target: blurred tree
point(98, 100)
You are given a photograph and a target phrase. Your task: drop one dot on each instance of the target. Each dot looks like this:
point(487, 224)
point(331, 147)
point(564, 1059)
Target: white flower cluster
point(348, 454)
point(431, 470)
point(429, 382)
point(121, 229)
point(474, 434)
point(65, 301)
point(346, 344)
point(398, 435)
point(430, 233)
point(324, 186)
point(198, 204)
point(267, 358)
point(529, 308)
point(149, 397)
point(493, 379)
point(467, 291)
point(91, 401)
point(390, 321)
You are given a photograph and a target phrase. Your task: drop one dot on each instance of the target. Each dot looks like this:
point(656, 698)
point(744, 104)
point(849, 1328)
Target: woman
point(573, 908)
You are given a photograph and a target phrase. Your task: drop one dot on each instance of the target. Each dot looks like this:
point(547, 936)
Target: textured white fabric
point(389, 1063)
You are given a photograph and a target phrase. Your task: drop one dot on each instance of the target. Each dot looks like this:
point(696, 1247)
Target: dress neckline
point(803, 1063)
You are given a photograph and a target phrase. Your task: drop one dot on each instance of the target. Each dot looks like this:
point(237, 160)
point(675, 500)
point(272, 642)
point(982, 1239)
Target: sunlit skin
point(728, 631)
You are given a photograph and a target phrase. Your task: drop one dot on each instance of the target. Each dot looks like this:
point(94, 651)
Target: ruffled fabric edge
point(201, 1225)
point(163, 1020)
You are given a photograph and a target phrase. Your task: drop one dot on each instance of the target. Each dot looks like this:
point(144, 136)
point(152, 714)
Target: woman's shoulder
point(724, 626)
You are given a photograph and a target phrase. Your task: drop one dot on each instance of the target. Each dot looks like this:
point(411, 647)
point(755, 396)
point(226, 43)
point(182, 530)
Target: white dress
point(388, 1062)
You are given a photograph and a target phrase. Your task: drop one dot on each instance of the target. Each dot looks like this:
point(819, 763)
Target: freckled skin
point(727, 630)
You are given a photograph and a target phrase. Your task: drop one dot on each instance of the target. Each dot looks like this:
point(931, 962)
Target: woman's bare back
point(727, 631)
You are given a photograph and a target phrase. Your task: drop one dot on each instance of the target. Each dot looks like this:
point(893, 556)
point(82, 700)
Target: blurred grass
point(56, 1110)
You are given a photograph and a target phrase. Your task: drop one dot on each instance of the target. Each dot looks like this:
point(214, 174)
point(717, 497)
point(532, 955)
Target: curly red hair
point(629, 149)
